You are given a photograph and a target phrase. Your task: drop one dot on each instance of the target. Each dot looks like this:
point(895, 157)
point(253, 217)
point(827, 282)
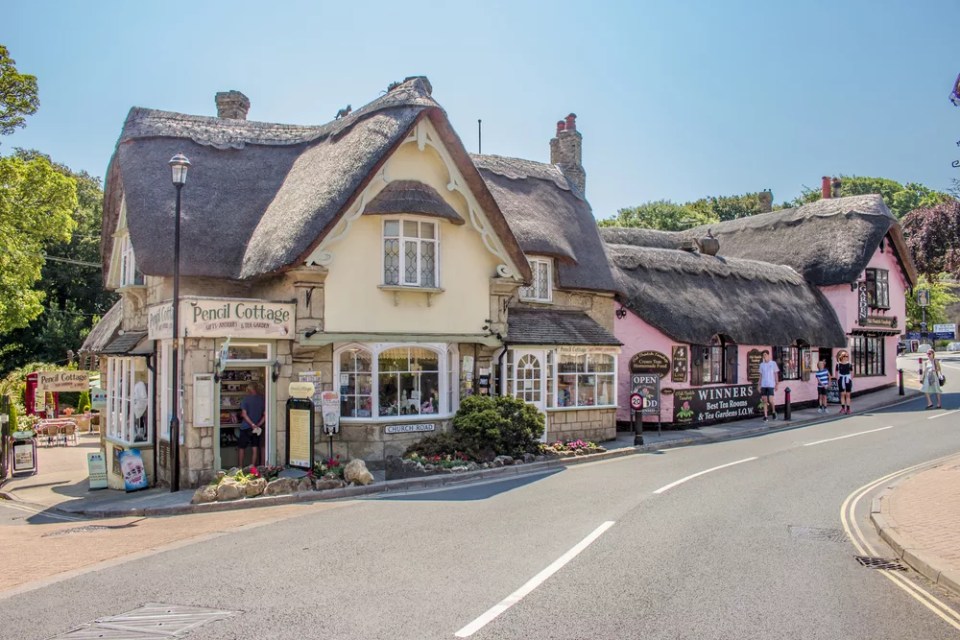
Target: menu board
point(314, 377)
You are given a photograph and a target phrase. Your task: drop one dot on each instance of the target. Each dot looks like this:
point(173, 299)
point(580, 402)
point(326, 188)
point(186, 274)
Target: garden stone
point(501, 461)
point(356, 472)
point(428, 467)
point(541, 458)
point(394, 465)
point(229, 491)
point(473, 466)
point(207, 493)
point(529, 457)
point(280, 486)
point(254, 487)
point(326, 483)
point(305, 484)
point(233, 471)
point(485, 465)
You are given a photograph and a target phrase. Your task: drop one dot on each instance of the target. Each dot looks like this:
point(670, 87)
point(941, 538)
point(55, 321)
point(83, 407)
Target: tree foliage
point(933, 237)
point(74, 295)
point(660, 214)
point(726, 208)
point(37, 203)
point(901, 199)
point(941, 296)
point(18, 94)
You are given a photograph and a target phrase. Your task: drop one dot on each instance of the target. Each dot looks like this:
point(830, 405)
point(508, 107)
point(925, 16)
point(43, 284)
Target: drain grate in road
point(91, 527)
point(152, 621)
point(817, 533)
point(872, 562)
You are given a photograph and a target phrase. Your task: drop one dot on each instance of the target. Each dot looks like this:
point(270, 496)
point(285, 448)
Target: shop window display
point(409, 382)
point(356, 382)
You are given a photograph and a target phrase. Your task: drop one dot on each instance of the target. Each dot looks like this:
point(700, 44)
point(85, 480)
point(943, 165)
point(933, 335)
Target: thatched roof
point(552, 326)
point(261, 196)
point(692, 297)
point(411, 196)
point(549, 218)
point(104, 331)
point(829, 241)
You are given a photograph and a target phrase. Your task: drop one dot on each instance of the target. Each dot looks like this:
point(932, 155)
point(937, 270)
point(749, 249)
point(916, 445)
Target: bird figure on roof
point(343, 112)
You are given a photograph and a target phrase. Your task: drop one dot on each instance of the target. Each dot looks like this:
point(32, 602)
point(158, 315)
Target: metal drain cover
point(152, 621)
point(872, 562)
point(817, 533)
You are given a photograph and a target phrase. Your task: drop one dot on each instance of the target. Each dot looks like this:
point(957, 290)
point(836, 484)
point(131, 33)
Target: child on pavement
point(823, 383)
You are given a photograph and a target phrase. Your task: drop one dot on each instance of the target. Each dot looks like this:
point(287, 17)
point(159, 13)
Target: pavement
point(917, 515)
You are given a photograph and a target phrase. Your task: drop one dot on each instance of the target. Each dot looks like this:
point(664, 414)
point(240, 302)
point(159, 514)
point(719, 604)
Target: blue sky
point(675, 100)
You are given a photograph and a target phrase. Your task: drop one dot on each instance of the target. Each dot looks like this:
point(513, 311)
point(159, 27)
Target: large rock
point(206, 493)
point(254, 488)
point(280, 486)
point(327, 483)
point(304, 484)
point(502, 461)
point(356, 472)
point(229, 490)
point(529, 457)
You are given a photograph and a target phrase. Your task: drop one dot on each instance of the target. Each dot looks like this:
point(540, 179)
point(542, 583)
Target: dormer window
point(410, 250)
point(129, 274)
point(541, 289)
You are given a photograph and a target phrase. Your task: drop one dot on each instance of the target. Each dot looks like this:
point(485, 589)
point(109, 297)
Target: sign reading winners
point(710, 404)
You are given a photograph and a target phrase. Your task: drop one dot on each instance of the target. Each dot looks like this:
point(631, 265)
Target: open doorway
point(235, 386)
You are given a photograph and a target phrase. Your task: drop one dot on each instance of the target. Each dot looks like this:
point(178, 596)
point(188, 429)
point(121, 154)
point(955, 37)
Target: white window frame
point(402, 254)
point(540, 290)
point(130, 276)
point(165, 372)
point(121, 378)
point(448, 359)
point(551, 374)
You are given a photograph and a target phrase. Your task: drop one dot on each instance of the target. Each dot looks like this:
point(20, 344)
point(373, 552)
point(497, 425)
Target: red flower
point(254, 472)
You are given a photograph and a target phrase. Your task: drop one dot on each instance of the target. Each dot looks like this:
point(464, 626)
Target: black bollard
point(786, 404)
point(900, 380)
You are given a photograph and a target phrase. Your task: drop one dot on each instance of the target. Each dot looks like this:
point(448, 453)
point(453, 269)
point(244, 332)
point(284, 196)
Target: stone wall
point(597, 425)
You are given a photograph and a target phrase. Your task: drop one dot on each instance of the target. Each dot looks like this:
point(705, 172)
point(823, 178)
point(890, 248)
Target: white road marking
point(940, 415)
point(915, 591)
point(849, 435)
point(39, 512)
point(531, 584)
point(696, 475)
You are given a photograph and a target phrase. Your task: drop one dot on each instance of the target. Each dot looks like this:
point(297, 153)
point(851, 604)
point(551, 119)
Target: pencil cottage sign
point(216, 318)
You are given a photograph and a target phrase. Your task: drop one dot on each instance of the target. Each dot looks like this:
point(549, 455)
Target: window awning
point(550, 326)
point(126, 344)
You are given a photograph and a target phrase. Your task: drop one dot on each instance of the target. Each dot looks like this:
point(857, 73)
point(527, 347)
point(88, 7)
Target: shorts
point(766, 392)
point(821, 391)
point(246, 438)
point(846, 386)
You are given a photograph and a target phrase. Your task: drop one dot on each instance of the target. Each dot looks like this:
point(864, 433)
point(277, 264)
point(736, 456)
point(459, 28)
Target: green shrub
point(442, 444)
point(499, 426)
point(83, 403)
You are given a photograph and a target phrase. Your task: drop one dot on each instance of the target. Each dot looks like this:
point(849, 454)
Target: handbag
point(941, 378)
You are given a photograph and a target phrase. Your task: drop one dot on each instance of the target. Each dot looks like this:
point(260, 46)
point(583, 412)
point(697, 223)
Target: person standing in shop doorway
point(769, 381)
point(253, 416)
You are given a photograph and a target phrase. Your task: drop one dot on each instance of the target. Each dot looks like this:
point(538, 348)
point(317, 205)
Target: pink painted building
point(802, 283)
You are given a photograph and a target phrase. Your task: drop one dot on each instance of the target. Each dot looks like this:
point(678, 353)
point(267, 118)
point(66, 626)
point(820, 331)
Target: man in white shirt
point(768, 383)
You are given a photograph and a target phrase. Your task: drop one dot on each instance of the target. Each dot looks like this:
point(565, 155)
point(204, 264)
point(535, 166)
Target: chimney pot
point(232, 104)
point(560, 126)
point(835, 192)
point(571, 122)
point(825, 190)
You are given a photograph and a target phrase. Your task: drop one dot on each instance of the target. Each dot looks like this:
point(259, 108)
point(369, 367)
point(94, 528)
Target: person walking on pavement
point(844, 380)
point(931, 379)
point(253, 416)
point(768, 383)
point(823, 384)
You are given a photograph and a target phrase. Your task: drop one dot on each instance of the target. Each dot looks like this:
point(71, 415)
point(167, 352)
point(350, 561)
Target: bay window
point(561, 378)
point(128, 400)
point(410, 253)
point(380, 381)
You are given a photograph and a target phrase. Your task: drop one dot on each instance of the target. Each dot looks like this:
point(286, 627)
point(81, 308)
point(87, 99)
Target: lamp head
point(179, 164)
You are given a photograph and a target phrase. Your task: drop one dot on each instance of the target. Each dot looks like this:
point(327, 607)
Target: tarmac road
point(740, 539)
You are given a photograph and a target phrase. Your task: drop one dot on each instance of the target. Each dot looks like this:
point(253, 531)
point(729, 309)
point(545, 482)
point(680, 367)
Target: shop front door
point(529, 381)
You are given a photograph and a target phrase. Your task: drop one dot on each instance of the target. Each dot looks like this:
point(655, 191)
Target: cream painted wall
point(353, 301)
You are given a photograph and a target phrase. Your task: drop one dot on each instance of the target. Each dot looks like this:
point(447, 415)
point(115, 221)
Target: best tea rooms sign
point(220, 317)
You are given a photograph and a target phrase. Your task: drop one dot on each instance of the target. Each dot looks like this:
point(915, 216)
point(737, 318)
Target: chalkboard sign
point(833, 392)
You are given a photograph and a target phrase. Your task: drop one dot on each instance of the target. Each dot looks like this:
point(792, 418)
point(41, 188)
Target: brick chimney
point(825, 187)
point(232, 104)
point(766, 201)
point(566, 151)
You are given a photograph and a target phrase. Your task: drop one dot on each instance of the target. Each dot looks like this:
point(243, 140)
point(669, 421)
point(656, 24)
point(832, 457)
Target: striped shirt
point(823, 378)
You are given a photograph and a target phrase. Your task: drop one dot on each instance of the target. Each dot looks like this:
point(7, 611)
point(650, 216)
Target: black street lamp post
point(179, 164)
